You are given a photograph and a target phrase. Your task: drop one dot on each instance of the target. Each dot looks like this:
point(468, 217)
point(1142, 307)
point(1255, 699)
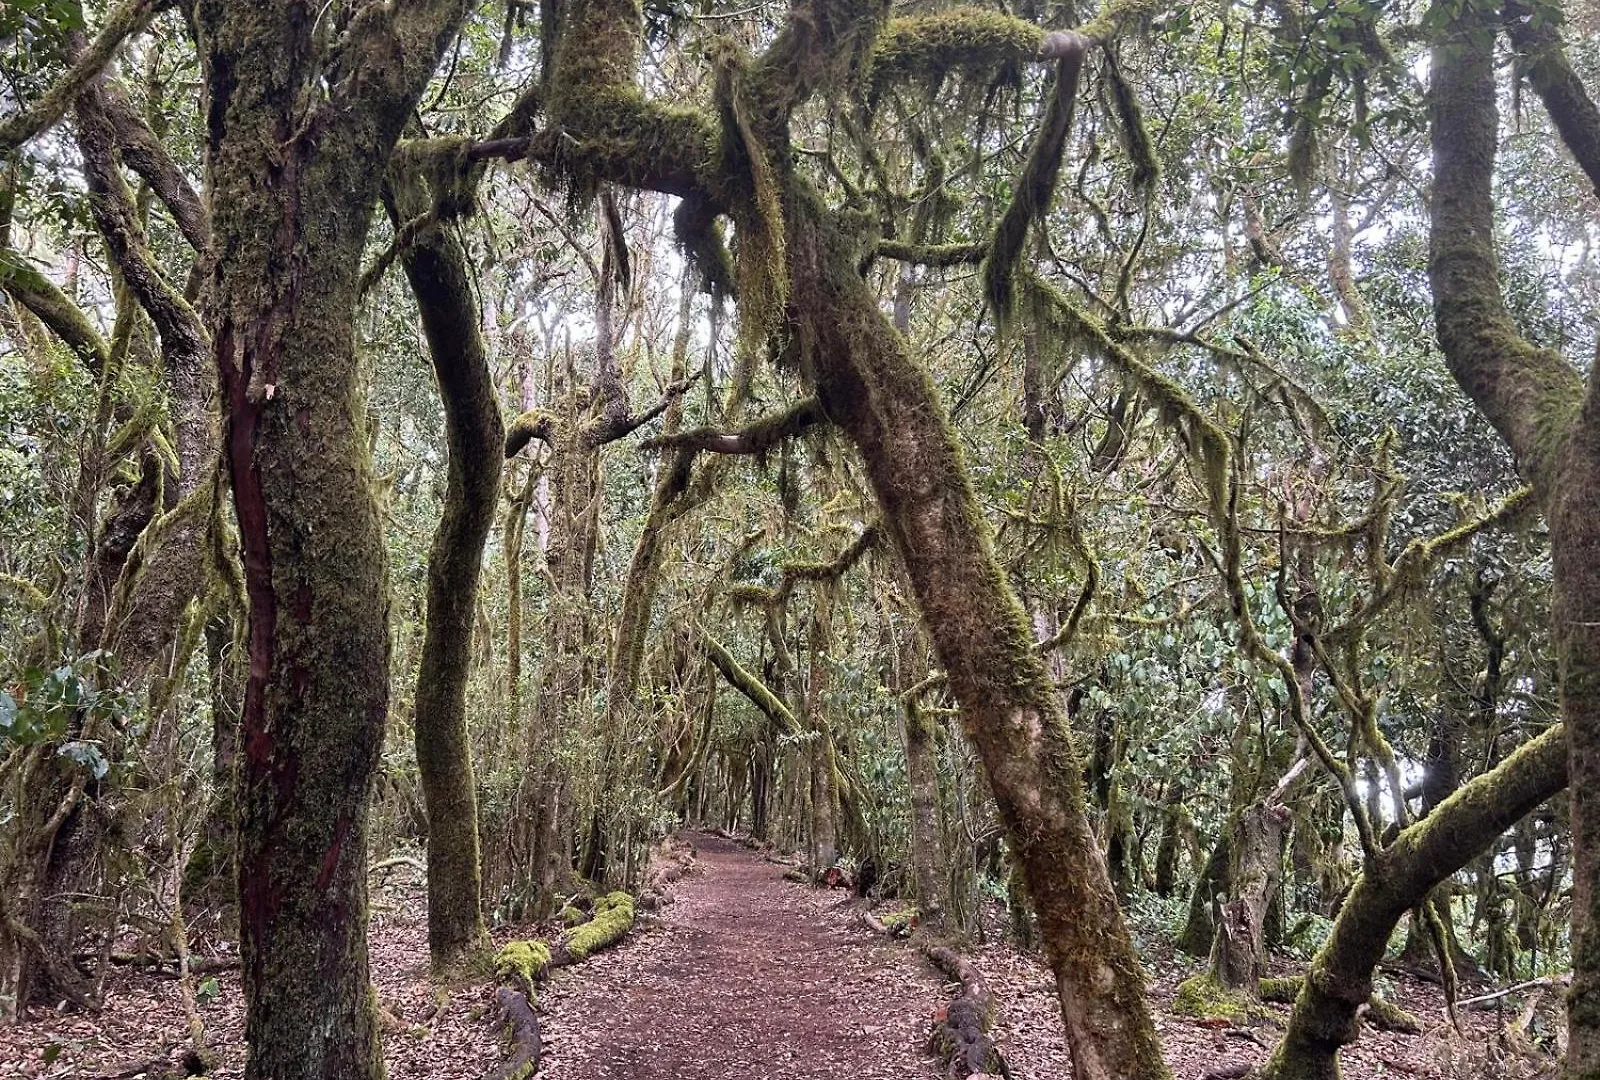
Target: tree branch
point(1544, 60)
point(23, 282)
point(122, 22)
point(759, 437)
point(1530, 395)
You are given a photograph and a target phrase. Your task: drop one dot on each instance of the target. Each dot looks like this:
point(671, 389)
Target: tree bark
point(436, 266)
point(294, 154)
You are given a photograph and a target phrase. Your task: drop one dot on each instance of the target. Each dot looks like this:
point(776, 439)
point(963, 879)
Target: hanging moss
point(1198, 433)
point(1035, 188)
point(1135, 136)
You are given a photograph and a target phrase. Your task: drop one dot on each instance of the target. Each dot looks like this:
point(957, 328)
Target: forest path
point(748, 976)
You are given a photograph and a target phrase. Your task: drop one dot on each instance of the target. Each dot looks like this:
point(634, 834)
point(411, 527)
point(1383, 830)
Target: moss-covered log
point(436, 267)
point(961, 1029)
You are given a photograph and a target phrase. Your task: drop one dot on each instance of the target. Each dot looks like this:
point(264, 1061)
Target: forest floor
point(745, 975)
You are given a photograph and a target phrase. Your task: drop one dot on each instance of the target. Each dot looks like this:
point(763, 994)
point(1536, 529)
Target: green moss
point(613, 917)
point(1281, 991)
point(1387, 1016)
point(572, 915)
point(1203, 997)
point(966, 40)
point(522, 962)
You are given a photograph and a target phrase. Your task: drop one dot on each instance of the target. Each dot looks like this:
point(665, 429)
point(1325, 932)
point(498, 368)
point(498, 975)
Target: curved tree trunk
point(1539, 404)
point(436, 266)
point(870, 388)
point(1339, 980)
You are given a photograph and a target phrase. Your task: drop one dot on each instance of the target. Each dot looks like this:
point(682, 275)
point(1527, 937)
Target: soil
point(750, 976)
point(744, 975)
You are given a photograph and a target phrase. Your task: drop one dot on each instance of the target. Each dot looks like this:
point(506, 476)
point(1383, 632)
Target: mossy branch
point(1531, 395)
point(1197, 432)
point(748, 685)
point(935, 255)
point(122, 22)
point(757, 438)
point(23, 282)
point(1411, 566)
point(818, 572)
point(534, 424)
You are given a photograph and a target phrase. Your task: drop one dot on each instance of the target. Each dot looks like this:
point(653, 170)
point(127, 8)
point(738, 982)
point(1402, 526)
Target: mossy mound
point(572, 915)
point(520, 963)
point(1204, 998)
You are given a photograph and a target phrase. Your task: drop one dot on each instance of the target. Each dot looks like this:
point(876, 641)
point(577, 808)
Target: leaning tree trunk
point(295, 151)
point(1327, 1012)
point(869, 386)
point(436, 266)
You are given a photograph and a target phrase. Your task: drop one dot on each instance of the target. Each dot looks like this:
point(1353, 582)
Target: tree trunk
point(824, 797)
point(293, 178)
point(437, 269)
point(1339, 980)
point(1215, 879)
point(922, 776)
point(869, 387)
point(1257, 852)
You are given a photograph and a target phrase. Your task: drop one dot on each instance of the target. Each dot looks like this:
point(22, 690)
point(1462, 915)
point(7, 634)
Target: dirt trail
point(748, 976)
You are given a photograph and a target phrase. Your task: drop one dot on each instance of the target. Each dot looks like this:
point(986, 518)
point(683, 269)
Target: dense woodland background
point(1125, 466)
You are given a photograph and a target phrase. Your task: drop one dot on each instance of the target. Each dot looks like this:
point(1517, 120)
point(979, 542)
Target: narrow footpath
point(748, 976)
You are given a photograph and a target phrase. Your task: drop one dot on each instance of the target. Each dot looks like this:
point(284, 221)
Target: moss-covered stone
point(571, 916)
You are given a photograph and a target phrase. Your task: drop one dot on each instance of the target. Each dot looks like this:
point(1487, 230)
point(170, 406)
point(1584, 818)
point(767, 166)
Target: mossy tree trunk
point(922, 776)
point(297, 140)
point(436, 266)
point(824, 795)
point(870, 388)
point(1541, 407)
point(1339, 981)
point(1257, 859)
